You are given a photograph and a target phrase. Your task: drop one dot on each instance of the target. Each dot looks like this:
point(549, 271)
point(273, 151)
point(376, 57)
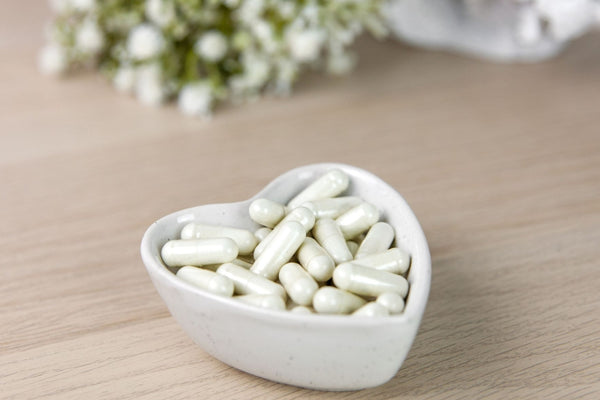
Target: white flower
point(212, 46)
point(231, 3)
point(89, 38)
point(52, 59)
point(286, 8)
point(83, 5)
point(195, 99)
point(566, 19)
point(256, 71)
point(60, 6)
point(340, 63)
point(145, 41)
point(124, 79)
point(148, 86)
point(264, 32)
point(161, 12)
point(250, 10)
point(305, 46)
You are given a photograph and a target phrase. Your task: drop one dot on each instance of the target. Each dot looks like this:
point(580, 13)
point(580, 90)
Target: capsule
point(207, 280)
point(378, 239)
point(392, 301)
point(266, 212)
point(301, 310)
point(300, 286)
point(328, 234)
point(331, 184)
point(332, 207)
point(367, 281)
point(393, 260)
point(299, 214)
point(268, 301)
point(242, 263)
point(371, 309)
point(331, 300)
point(316, 260)
point(280, 249)
point(352, 246)
point(244, 239)
point(262, 233)
point(197, 252)
point(247, 282)
point(357, 220)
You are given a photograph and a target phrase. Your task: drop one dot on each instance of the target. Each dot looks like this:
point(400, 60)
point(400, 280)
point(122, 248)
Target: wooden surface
point(500, 163)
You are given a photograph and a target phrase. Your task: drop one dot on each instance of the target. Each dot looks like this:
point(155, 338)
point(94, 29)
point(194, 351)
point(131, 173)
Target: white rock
point(500, 30)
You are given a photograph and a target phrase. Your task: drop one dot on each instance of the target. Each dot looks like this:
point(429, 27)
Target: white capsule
point(298, 283)
point(280, 249)
point(352, 246)
point(357, 220)
point(207, 280)
point(372, 309)
point(378, 239)
point(367, 281)
point(331, 300)
point(392, 301)
point(269, 301)
point(299, 214)
point(242, 263)
point(247, 282)
point(393, 260)
point(262, 233)
point(301, 310)
point(266, 212)
point(332, 207)
point(177, 253)
point(245, 240)
point(328, 234)
point(331, 184)
point(316, 260)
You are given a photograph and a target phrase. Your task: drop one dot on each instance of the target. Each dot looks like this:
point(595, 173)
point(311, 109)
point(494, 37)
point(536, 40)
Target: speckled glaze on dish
point(327, 352)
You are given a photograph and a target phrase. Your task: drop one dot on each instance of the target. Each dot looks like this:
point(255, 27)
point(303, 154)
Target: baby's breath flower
point(125, 79)
point(205, 52)
point(60, 6)
point(83, 5)
point(145, 41)
point(212, 46)
point(89, 38)
point(340, 63)
point(160, 12)
point(149, 87)
point(53, 59)
point(305, 46)
point(195, 99)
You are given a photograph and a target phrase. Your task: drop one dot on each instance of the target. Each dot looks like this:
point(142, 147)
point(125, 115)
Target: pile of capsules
point(328, 254)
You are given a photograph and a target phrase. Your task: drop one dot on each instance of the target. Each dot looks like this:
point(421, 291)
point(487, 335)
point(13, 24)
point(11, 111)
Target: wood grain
point(501, 164)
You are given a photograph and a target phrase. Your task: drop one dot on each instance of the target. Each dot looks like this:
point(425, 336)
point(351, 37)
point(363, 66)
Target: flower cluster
point(202, 52)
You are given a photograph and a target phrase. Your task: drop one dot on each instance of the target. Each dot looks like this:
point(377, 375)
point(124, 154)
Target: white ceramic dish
point(327, 352)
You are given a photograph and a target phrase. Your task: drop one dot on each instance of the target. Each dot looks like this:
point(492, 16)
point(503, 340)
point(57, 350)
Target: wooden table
point(501, 164)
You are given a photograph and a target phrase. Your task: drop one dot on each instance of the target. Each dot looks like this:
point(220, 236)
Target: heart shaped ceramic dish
point(329, 352)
